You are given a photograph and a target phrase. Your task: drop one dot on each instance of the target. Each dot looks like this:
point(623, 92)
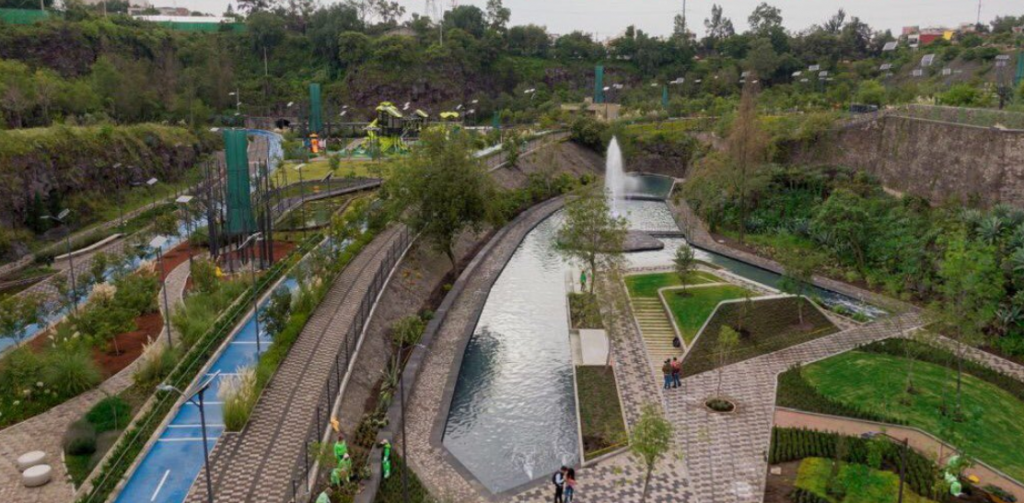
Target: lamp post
point(238, 100)
point(158, 243)
point(255, 293)
point(71, 262)
point(184, 202)
point(202, 422)
point(302, 198)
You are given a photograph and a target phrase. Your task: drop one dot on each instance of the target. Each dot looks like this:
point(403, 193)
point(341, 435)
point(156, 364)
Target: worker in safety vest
point(385, 458)
point(340, 448)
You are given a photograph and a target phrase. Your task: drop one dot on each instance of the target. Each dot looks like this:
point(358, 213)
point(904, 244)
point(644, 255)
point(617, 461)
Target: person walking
point(666, 371)
point(558, 479)
point(677, 369)
point(570, 485)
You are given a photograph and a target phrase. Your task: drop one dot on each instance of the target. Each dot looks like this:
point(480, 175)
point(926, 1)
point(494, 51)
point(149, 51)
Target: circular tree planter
point(720, 405)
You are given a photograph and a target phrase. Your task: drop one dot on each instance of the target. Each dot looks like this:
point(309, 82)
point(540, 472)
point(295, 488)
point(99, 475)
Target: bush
point(111, 413)
point(80, 439)
point(239, 395)
point(407, 331)
point(204, 275)
point(155, 363)
point(585, 310)
point(70, 370)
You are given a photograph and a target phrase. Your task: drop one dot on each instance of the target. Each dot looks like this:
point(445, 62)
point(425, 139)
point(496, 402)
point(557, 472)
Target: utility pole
point(979, 14)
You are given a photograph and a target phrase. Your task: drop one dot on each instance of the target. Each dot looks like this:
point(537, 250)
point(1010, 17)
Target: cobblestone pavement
point(257, 464)
point(727, 453)
point(45, 431)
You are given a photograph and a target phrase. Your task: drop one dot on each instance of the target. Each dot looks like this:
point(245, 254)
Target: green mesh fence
point(599, 84)
point(664, 97)
point(22, 16)
point(316, 120)
point(1020, 69)
point(240, 218)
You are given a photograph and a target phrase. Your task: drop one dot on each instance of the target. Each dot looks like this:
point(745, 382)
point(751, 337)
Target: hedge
point(795, 392)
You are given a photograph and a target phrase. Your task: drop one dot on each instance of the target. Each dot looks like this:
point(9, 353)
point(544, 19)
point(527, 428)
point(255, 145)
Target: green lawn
point(693, 308)
point(765, 326)
point(863, 484)
point(318, 170)
point(600, 411)
point(874, 381)
point(647, 285)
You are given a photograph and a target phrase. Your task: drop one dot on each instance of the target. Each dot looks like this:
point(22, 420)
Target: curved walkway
point(45, 432)
point(257, 464)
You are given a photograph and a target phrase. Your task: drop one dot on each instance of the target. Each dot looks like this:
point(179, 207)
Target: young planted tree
point(746, 147)
point(970, 292)
point(590, 234)
point(798, 276)
point(17, 313)
point(275, 316)
point(728, 339)
point(443, 190)
point(684, 263)
point(650, 440)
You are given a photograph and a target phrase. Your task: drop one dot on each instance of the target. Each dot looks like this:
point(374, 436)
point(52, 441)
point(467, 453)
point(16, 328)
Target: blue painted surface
point(167, 471)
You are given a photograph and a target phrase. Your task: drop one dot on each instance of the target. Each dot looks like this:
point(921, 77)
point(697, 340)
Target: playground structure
point(392, 132)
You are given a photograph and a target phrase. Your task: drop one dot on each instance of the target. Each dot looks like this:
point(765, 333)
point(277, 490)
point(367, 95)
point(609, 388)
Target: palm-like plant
point(990, 229)
point(1017, 237)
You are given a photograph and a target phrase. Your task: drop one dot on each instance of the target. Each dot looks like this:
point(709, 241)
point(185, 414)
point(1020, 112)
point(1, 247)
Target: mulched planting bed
point(600, 410)
point(768, 326)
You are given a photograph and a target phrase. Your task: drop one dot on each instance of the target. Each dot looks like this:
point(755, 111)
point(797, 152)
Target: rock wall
point(936, 160)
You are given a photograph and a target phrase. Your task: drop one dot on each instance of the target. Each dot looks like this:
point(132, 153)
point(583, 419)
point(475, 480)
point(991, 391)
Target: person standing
point(666, 371)
point(558, 479)
point(677, 369)
point(570, 485)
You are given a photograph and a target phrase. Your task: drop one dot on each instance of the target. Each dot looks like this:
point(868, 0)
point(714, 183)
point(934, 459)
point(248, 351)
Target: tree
point(847, 227)
point(444, 189)
point(17, 312)
point(498, 15)
point(512, 148)
point(718, 27)
point(746, 147)
point(650, 440)
point(835, 23)
point(250, 6)
point(275, 316)
point(530, 40)
point(728, 340)
point(798, 275)
point(468, 18)
point(765, 18)
point(970, 292)
point(684, 263)
point(590, 234)
point(762, 59)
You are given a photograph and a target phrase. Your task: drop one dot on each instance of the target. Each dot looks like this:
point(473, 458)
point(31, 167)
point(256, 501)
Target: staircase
point(657, 331)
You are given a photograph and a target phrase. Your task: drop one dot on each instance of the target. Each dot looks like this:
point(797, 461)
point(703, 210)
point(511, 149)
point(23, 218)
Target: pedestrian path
point(258, 463)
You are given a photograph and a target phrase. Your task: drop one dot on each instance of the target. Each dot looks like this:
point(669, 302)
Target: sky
point(607, 18)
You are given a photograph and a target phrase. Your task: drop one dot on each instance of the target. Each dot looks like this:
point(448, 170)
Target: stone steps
point(656, 330)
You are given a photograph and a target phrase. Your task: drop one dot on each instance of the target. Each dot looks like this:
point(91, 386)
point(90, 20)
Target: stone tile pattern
point(257, 464)
point(727, 453)
point(46, 431)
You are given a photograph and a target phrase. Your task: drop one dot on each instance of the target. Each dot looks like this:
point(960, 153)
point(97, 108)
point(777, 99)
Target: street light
point(202, 422)
point(302, 198)
point(71, 263)
point(238, 100)
point(183, 201)
point(158, 243)
point(255, 293)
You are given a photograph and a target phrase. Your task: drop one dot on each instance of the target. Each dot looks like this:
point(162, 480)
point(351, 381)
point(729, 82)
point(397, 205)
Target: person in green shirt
point(340, 448)
point(385, 458)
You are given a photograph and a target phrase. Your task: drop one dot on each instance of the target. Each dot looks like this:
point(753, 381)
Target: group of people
point(671, 370)
point(565, 485)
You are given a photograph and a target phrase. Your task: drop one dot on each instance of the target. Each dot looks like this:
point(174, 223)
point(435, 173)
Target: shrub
point(111, 413)
point(80, 439)
point(155, 363)
point(70, 370)
point(586, 312)
point(239, 395)
point(407, 331)
point(204, 275)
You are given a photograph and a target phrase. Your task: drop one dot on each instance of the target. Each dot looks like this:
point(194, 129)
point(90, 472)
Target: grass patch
point(647, 285)
point(318, 170)
point(585, 311)
point(600, 410)
point(860, 483)
point(992, 431)
point(693, 308)
point(765, 326)
point(795, 392)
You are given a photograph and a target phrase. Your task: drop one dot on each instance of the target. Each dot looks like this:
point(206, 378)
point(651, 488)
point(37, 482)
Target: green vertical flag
point(240, 218)
point(496, 120)
point(316, 120)
point(599, 84)
point(664, 97)
point(1020, 69)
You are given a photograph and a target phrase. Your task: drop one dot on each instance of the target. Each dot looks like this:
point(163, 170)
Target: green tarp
point(22, 16)
point(1020, 69)
point(599, 84)
point(316, 120)
point(240, 218)
point(664, 97)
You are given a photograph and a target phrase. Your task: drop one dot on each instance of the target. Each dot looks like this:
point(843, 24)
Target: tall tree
point(684, 263)
point(498, 15)
point(443, 190)
point(590, 234)
point(765, 18)
point(728, 340)
point(798, 275)
point(746, 147)
point(718, 26)
point(836, 22)
point(650, 441)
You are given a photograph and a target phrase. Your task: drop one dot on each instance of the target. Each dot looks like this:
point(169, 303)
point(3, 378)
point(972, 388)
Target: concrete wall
point(936, 160)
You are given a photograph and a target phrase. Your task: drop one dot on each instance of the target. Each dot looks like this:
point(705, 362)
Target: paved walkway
point(727, 453)
point(920, 441)
point(257, 464)
point(46, 431)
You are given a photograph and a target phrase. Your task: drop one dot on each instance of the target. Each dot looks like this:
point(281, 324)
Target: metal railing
point(302, 471)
